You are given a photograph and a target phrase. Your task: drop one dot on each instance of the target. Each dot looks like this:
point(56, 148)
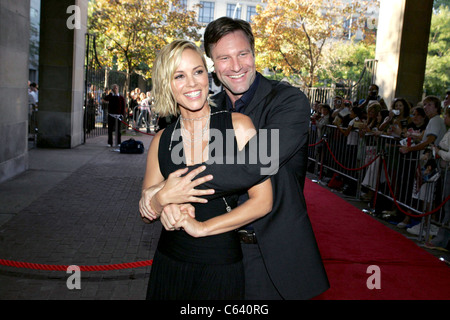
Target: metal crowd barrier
point(374, 162)
point(143, 118)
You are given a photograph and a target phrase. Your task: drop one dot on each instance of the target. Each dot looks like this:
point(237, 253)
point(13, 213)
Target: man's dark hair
point(223, 26)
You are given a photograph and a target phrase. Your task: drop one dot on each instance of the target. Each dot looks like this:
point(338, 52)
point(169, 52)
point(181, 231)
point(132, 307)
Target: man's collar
point(246, 98)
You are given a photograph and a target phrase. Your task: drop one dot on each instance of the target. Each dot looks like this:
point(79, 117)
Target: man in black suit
point(281, 256)
point(116, 105)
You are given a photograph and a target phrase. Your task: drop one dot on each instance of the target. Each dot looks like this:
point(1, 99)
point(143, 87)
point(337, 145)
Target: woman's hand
point(181, 189)
point(175, 217)
point(148, 214)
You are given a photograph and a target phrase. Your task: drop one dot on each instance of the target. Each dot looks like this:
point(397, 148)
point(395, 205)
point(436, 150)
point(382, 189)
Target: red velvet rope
point(119, 117)
point(38, 266)
point(388, 182)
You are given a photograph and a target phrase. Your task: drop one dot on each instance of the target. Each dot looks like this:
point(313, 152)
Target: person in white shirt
point(442, 239)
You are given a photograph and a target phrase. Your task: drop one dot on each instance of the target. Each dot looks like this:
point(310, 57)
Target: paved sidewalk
point(76, 207)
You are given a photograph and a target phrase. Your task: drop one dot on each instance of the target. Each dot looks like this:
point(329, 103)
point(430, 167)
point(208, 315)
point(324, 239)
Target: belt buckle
point(247, 237)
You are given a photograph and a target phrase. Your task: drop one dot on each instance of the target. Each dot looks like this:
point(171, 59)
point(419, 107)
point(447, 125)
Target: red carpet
point(350, 241)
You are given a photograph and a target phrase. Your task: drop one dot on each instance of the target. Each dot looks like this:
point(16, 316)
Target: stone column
point(61, 73)
point(402, 46)
point(14, 52)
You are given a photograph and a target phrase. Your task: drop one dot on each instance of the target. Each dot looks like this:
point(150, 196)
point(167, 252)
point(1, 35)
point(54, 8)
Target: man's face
point(373, 91)
point(234, 64)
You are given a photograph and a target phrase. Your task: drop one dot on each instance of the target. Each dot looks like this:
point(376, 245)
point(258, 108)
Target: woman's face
point(190, 85)
point(447, 119)
point(399, 106)
point(430, 109)
point(417, 118)
point(371, 113)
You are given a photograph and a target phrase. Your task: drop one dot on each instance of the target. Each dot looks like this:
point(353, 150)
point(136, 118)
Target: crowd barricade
point(374, 162)
point(142, 118)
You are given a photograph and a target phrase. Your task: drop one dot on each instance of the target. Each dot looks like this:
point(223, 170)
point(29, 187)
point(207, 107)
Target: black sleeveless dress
point(206, 268)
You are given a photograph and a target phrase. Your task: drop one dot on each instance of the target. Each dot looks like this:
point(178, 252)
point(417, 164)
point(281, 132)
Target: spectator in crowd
point(32, 108)
point(132, 104)
point(144, 112)
point(371, 147)
point(408, 165)
point(446, 102)
point(104, 103)
point(323, 120)
point(373, 94)
point(372, 121)
point(433, 134)
point(32, 102)
point(315, 112)
point(442, 151)
point(416, 128)
point(341, 112)
point(435, 129)
point(400, 117)
point(91, 110)
point(315, 107)
point(34, 92)
point(352, 144)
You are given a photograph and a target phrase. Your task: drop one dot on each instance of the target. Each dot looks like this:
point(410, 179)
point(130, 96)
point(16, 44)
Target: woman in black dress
point(199, 258)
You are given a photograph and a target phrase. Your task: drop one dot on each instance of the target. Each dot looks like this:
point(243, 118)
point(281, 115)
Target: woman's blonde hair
point(375, 106)
point(164, 67)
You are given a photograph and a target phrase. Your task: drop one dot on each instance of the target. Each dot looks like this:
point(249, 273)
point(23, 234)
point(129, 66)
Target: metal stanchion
point(117, 132)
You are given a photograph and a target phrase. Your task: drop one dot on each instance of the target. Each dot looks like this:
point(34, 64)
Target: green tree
point(291, 34)
point(130, 33)
point(344, 61)
point(437, 73)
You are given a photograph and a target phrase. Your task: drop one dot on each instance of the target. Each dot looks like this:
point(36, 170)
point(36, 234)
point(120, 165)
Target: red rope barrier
point(315, 144)
point(398, 206)
point(388, 182)
point(137, 130)
point(37, 266)
point(119, 117)
point(350, 169)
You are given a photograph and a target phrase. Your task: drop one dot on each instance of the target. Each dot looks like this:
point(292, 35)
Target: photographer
point(341, 111)
point(399, 117)
point(373, 95)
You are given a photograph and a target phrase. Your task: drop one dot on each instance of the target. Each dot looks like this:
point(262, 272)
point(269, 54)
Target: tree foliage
point(437, 73)
point(131, 32)
point(344, 61)
point(291, 34)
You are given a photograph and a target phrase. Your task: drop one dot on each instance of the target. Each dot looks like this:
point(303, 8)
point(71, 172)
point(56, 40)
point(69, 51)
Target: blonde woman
point(196, 258)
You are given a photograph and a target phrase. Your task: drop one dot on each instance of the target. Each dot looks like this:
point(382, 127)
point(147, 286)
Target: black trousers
point(111, 129)
point(258, 285)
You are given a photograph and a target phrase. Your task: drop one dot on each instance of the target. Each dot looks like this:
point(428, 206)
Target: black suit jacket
point(285, 235)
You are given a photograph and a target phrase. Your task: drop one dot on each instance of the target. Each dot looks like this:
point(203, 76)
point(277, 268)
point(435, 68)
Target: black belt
point(247, 236)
